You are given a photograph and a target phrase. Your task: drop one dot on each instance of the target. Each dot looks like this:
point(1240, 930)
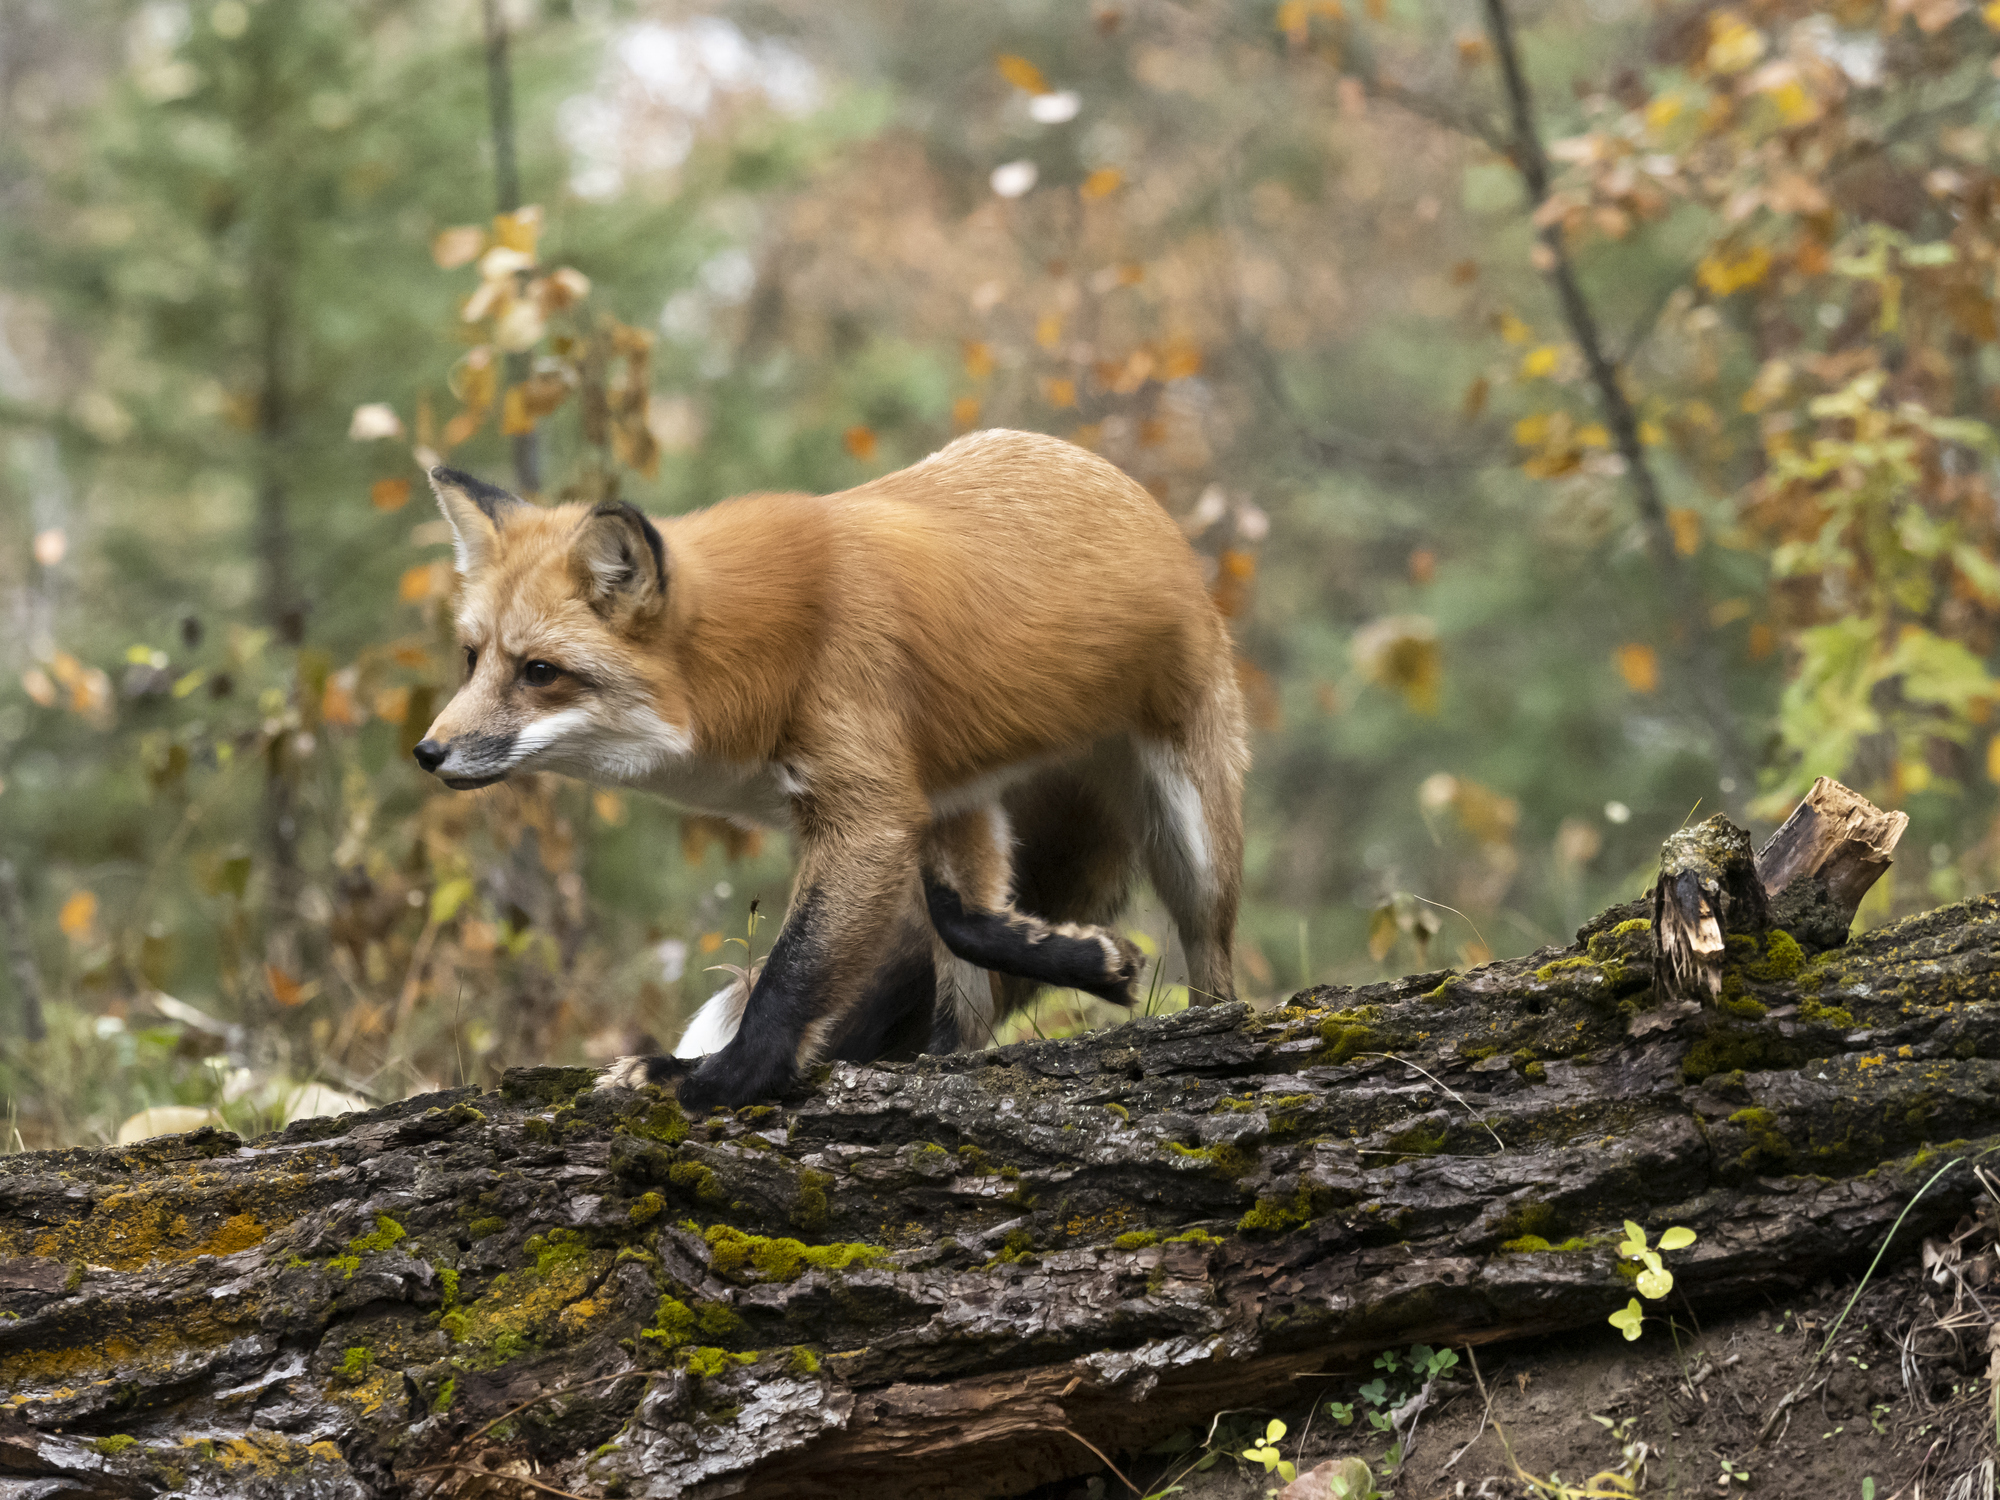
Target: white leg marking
point(714, 1025)
point(1176, 813)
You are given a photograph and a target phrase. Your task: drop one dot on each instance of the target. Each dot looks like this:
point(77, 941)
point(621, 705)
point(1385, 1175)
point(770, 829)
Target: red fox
point(979, 691)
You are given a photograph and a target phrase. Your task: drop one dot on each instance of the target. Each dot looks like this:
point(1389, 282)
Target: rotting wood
point(1808, 880)
point(931, 1279)
point(1836, 835)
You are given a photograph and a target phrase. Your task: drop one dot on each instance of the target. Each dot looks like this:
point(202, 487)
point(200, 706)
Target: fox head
point(555, 606)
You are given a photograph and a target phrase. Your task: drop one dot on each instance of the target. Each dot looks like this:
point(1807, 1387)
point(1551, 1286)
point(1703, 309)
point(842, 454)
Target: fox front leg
point(849, 891)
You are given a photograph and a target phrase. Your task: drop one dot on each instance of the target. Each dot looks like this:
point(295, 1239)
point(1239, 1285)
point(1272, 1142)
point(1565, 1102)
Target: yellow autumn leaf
point(965, 413)
point(1990, 13)
point(520, 229)
point(1593, 435)
point(609, 807)
point(1664, 110)
point(1100, 184)
point(1048, 330)
point(1733, 44)
point(860, 441)
point(1537, 364)
point(422, 581)
point(1512, 329)
point(1023, 74)
point(1795, 105)
point(1686, 525)
point(1059, 390)
point(1722, 272)
point(1532, 431)
point(1993, 745)
point(1639, 665)
point(77, 914)
point(978, 359)
point(1651, 434)
point(389, 494)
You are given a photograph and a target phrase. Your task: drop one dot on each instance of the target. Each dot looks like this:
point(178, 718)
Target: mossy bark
point(927, 1279)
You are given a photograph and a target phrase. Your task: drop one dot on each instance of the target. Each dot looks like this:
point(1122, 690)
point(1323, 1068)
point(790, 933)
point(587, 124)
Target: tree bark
point(940, 1278)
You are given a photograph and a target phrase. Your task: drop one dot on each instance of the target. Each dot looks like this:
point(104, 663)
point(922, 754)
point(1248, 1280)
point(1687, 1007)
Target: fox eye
point(471, 660)
point(540, 673)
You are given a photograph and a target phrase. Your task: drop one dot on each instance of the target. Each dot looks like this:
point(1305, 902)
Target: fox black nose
point(430, 754)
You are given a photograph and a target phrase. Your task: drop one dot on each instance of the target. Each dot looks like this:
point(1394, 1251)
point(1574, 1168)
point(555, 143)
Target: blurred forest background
point(1583, 405)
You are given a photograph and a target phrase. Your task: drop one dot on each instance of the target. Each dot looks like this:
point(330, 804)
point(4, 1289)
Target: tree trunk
point(941, 1278)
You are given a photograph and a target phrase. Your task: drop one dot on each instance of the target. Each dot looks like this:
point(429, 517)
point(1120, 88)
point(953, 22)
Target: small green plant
point(1732, 1472)
point(1654, 1280)
point(1868, 1488)
point(1266, 1453)
point(1352, 1479)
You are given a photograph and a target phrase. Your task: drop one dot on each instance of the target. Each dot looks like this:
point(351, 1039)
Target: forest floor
point(1902, 1398)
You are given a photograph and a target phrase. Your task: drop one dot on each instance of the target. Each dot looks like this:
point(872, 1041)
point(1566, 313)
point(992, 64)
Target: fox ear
point(476, 511)
point(619, 556)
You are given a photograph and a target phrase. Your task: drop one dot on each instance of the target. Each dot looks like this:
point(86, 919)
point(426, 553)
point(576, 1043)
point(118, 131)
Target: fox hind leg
point(1190, 795)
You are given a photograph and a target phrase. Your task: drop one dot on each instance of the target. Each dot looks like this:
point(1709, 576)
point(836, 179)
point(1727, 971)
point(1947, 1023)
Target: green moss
point(1741, 1006)
point(75, 1278)
point(1274, 1215)
point(1561, 966)
point(1194, 1237)
point(814, 1206)
point(1529, 1221)
point(118, 1442)
point(661, 1122)
point(537, 1129)
point(1840, 1017)
point(1344, 1043)
point(356, 1363)
point(480, 1228)
point(1442, 993)
point(750, 1114)
point(712, 1362)
point(555, 1250)
point(697, 1180)
point(977, 1158)
point(448, 1280)
point(736, 1254)
point(1527, 1244)
point(675, 1323)
point(1783, 959)
point(441, 1402)
point(646, 1208)
point(1536, 1072)
point(1425, 1138)
point(1768, 1148)
point(1120, 1110)
point(387, 1232)
point(1019, 1245)
point(1225, 1160)
point(1637, 924)
point(1138, 1239)
point(1726, 1049)
point(802, 1362)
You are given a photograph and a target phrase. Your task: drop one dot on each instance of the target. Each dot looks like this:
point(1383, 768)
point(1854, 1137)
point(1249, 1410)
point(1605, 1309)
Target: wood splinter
point(1808, 879)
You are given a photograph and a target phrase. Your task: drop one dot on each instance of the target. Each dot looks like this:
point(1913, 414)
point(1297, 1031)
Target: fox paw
point(637, 1072)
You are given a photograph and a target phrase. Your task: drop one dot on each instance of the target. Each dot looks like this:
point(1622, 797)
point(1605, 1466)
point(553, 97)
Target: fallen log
point(948, 1277)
